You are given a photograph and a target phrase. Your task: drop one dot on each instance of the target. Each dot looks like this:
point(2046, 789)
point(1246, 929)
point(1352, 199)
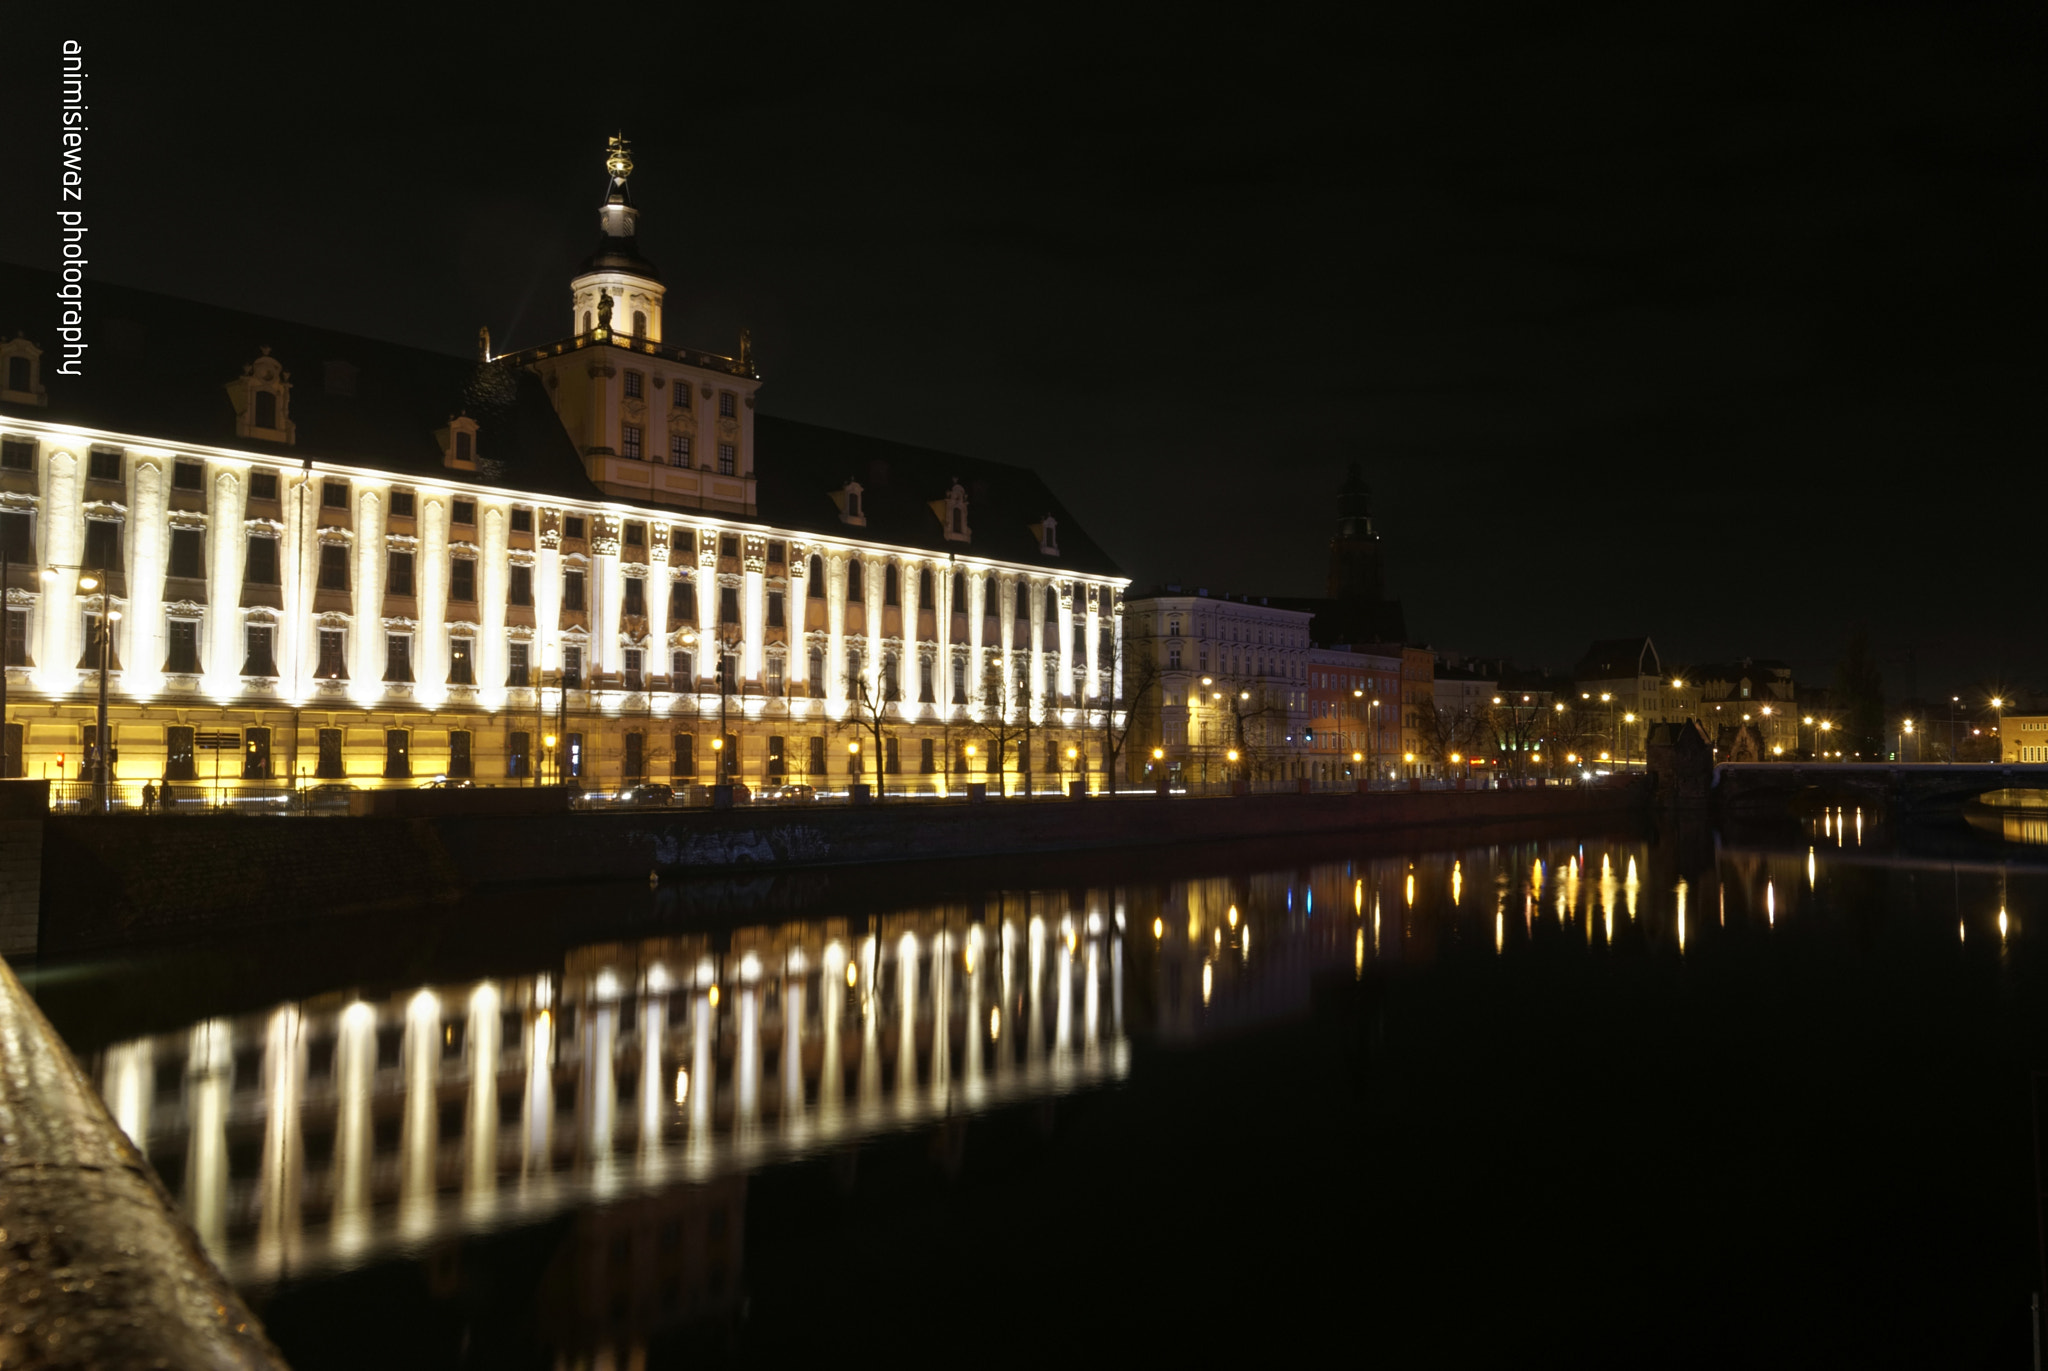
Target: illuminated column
point(796, 613)
point(430, 645)
point(547, 604)
point(1116, 646)
point(835, 633)
point(906, 1034)
point(355, 1065)
point(708, 664)
point(420, 1131)
point(129, 1088)
point(874, 594)
point(367, 671)
point(141, 632)
point(942, 643)
point(909, 666)
point(209, 1080)
point(480, 1181)
point(653, 1093)
point(224, 588)
point(537, 1135)
point(753, 606)
point(63, 539)
point(278, 1219)
point(1006, 625)
point(1092, 664)
point(299, 563)
point(493, 581)
point(1036, 593)
point(1065, 668)
point(977, 614)
point(606, 591)
point(657, 602)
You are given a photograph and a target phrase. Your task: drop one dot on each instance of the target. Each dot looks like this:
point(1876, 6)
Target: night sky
point(1721, 326)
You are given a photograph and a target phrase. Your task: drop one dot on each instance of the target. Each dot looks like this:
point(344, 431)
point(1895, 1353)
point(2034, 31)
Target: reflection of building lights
point(2002, 923)
point(712, 996)
point(852, 973)
point(995, 1024)
point(1208, 981)
point(1158, 929)
point(682, 1084)
point(1232, 916)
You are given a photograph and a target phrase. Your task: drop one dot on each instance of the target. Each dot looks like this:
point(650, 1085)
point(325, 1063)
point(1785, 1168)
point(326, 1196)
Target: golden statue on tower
point(618, 158)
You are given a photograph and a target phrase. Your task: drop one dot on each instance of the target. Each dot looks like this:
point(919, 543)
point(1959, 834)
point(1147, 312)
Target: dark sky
point(1715, 323)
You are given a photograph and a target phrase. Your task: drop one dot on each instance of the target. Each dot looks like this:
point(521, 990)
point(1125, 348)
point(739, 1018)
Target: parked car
point(331, 798)
point(701, 794)
point(447, 783)
point(795, 792)
point(647, 796)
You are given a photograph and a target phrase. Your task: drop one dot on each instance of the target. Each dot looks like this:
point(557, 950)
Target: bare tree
point(1138, 678)
point(869, 715)
point(1005, 720)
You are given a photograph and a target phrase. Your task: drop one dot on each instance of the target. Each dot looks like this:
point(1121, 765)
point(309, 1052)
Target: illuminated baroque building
point(343, 558)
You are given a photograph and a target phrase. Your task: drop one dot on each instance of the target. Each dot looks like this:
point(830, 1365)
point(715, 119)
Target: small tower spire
point(618, 157)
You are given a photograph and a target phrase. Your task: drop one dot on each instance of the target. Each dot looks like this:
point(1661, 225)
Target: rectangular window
point(682, 669)
point(815, 672)
point(17, 638)
point(772, 677)
point(778, 552)
point(635, 760)
point(329, 766)
point(334, 495)
point(572, 752)
point(518, 662)
point(856, 582)
point(401, 504)
point(102, 545)
point(777, 769)
point(679, 449)
point(397, 753)
point(17, 454)
point(630, 442)
point(729, 605)
point(333, 654)
point(572, 590)
point(397, 657)
point(890, 760)
point(520, 589)
point(729, 673)
point(728, 545)
point(572, 527)
point(572, 667)
point(685, 746)
point(519, 755)
point(927, 762)
point(189, 476)
point(182, 658)
point(178, 759)
point(17, 535)
point(263, 485)
point(103, 466)
point(256, 754)
point(461, 661)
point(636, 385)
point(398, 574)
point(461, 762)
point(679, 397)
point(462, 580)
point(188, 554)
point(775, 609)
point(959, 682)
point(522, 520)
point(464, 513)
point(262, 659)
point(636, 596)
point(630, 663)
point(333, 566)
point(727, 460)
point(682, 600)
point(817, 758)
point(262, 567)
point(731, 756)
point(636, 533)
point(727, 402)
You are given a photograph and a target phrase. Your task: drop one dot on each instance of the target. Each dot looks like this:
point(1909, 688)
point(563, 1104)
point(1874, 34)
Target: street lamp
point(1998, 726)
point(547, 742)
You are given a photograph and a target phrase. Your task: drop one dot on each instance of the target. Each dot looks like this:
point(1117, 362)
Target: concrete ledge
point(101, 1271)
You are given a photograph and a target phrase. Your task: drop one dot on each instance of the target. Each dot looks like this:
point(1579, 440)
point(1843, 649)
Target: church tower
point(617, 289)
point(1356, 572)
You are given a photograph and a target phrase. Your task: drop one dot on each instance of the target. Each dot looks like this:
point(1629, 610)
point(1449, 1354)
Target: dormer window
point(952, 513)
point(1047, 531)
point(262, 400)
point(458, 443)
point(23, 372)
point(848, 498)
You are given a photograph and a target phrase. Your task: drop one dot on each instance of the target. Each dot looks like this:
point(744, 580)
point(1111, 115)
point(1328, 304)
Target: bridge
point(1911, 787)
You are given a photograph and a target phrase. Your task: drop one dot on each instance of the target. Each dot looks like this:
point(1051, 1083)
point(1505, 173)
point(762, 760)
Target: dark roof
point(803, 466)
point(1344, 621)
point(159, 366)
point(1613, 658)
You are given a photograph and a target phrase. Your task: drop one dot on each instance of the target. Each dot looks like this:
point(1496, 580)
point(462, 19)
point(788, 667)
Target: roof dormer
point(262, 397)
point(21, 372)
point(458, 443)
point(1047, 531)
point(952, 514)
point(851, 510)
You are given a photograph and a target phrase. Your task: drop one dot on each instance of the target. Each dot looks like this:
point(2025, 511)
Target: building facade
point(1227, 673)
point(1354, 714)
point(592, 560)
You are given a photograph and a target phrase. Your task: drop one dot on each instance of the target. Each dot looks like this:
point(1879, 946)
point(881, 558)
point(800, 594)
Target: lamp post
point(1905, 732)
point(1998, 727)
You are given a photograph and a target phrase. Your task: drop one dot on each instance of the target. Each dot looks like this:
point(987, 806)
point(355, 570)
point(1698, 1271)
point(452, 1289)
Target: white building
point(347, 559)
point(1226, 673)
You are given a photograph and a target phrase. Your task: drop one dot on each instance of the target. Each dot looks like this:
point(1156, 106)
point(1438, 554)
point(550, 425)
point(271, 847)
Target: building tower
point(616, 275)
point(1356, 573)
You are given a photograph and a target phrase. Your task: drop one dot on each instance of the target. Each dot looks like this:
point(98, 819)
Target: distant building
point(1621, 691)
point(1354, 712)
point(1229, 672)
point(1751, 692)
point(2023, 738)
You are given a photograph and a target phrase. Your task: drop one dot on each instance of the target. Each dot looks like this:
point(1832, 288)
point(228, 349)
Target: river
point(1642, 1097)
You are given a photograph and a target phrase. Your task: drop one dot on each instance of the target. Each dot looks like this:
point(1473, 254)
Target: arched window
point(924, 586)
point(1023, 601)
point(1052, 603)
point(960, 591)
point(855, 575)
point(266, 409)
point(817, 578)
point(586, 321)
point(889, 588)
point(959, 519)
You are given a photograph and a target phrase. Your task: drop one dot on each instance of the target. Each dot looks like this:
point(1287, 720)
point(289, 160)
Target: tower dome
point(617, 289)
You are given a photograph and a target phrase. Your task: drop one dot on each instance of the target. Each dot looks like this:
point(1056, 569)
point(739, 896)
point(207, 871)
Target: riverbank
point(126, 881)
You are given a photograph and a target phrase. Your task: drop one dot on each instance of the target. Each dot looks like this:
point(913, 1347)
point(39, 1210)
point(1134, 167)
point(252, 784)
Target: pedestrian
point(165, 795)
point(149, 797)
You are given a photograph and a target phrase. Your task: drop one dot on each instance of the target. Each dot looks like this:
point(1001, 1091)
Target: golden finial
point(618, 159)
